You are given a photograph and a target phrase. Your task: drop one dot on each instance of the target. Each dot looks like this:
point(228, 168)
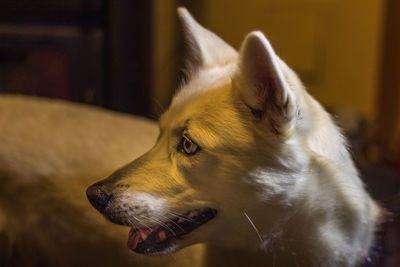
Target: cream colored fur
point(50, 152)
point(271, 162)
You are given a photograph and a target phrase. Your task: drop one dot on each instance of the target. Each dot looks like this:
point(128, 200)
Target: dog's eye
point(187, 146)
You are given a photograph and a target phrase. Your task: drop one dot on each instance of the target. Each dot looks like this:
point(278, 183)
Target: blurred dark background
point(126, 55)
point(90, 51)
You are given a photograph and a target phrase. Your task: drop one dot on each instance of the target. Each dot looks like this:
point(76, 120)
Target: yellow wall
point(334, 45)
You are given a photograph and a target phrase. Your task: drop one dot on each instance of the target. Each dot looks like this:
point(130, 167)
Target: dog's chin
point(171, 235)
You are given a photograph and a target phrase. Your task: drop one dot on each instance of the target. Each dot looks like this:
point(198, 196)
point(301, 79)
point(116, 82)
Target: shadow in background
point(93, 51)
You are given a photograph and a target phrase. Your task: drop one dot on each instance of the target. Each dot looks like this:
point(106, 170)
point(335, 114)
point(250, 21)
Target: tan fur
point(272, 163)
point(50, 151)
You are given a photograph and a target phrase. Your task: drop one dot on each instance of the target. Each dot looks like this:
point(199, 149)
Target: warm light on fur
point(271, 162)
point(268, 150)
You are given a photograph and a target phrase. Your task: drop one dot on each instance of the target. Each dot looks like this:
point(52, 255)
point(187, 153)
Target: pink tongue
point(135, 236)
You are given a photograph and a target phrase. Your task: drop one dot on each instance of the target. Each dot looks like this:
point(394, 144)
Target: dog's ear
point(206, 49)
point(261, 82)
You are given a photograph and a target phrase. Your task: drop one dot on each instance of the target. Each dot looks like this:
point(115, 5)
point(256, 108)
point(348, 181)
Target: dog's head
point(236, 119)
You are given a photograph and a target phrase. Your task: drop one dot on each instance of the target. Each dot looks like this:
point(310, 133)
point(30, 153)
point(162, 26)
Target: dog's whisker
point(142, 225)
point(173, 222)
point(254, 227)
point(183, 217)
point(162, 224)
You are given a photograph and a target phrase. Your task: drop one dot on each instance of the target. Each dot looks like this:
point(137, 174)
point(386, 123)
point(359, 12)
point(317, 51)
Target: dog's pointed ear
point(261, 82)
point(206, 48)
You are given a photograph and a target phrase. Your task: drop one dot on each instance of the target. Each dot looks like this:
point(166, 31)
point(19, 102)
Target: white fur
point(143, 209)
point(272, 163)
point(268, 151)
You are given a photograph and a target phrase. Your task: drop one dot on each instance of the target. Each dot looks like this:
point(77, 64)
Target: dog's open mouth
point(157, 238)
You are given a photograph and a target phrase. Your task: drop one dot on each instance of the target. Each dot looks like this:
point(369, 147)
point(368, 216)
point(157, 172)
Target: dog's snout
point(98, 196)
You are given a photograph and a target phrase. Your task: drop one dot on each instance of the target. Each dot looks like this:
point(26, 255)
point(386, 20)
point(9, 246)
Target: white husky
point(247, 161)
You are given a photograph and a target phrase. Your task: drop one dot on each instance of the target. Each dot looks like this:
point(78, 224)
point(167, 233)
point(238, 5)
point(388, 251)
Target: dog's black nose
point(98, 197)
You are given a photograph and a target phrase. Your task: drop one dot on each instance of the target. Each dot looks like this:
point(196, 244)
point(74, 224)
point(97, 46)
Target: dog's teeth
point(143, 235)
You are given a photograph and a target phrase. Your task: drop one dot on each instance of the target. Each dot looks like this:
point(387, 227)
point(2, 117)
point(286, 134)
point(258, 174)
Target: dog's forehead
point(211, 118)
point(204, 80)
point(206, 90)
point(199, 108)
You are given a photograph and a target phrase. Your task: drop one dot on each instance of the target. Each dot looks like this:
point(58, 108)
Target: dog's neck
point(305, 227)
point(218, 256)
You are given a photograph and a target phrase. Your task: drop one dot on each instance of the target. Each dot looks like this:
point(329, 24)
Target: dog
point(247, 162)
